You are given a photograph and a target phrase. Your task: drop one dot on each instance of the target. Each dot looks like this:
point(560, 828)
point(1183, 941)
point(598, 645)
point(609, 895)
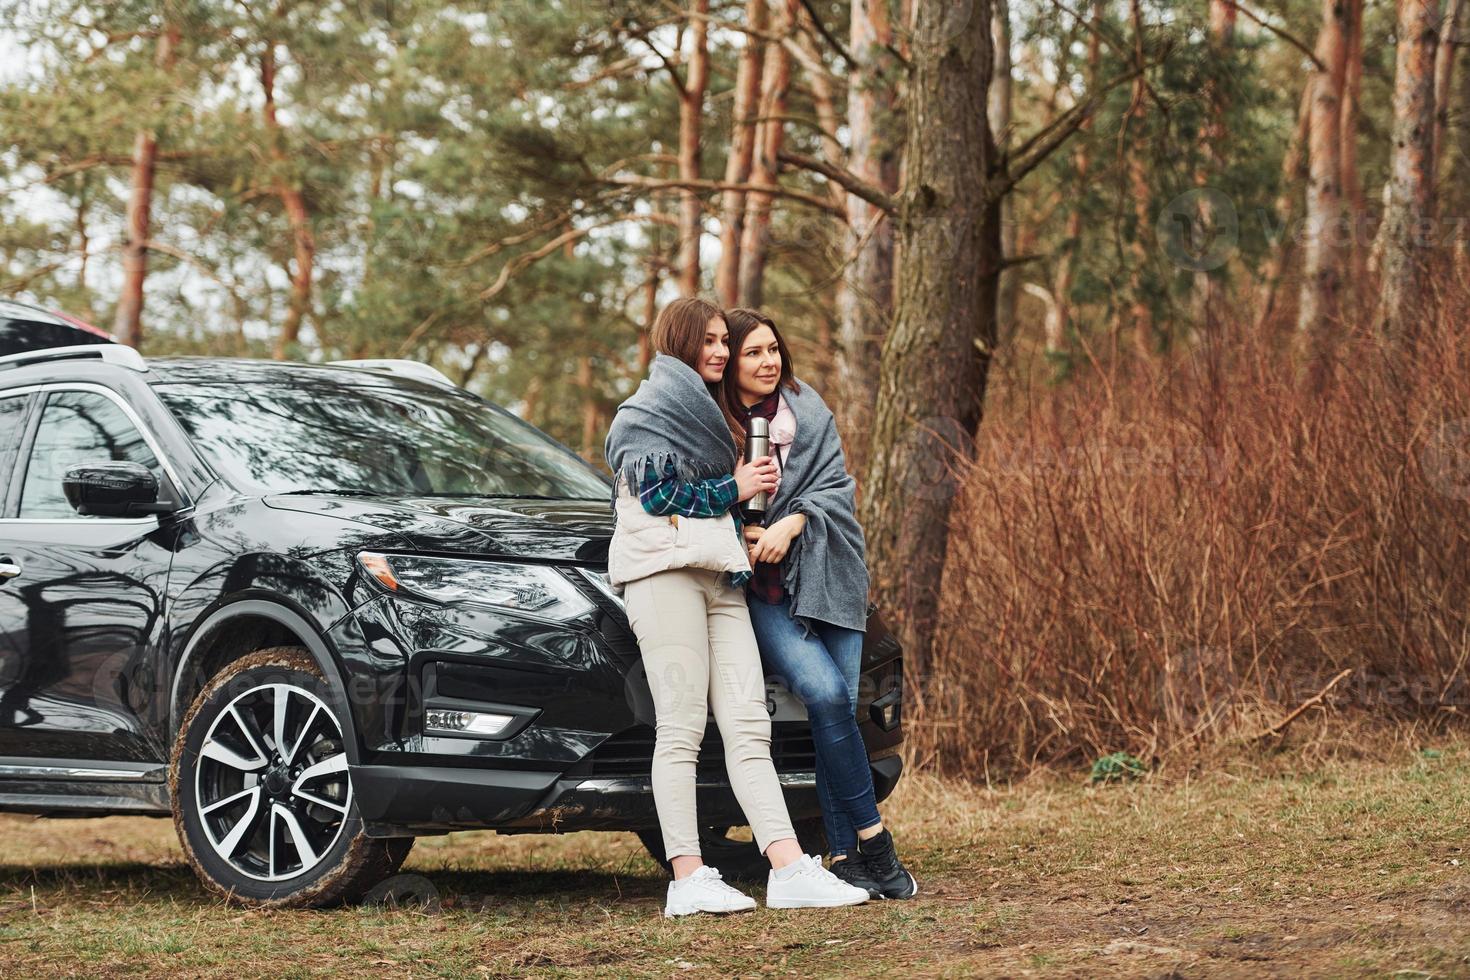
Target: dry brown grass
point(1270, 865)
point(1157, 558)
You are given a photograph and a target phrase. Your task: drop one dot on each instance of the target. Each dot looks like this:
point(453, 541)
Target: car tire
point(738, 860)
point(262, 798)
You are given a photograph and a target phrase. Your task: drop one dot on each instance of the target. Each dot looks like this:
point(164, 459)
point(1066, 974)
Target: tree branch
point(826, 34)
point(507, 273)
point(520, 262)
point(113, 38)
point(774, 37)
point(671, 65)
point(844, 178)
point(194, 262)
point(1315, 699)
point(1280, 32)
point(659, 183)
point(1126, 51)
point(31, 275)
point(1031, 154)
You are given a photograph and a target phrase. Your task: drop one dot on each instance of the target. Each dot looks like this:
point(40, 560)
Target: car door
point(13, 414)
point(81, 600)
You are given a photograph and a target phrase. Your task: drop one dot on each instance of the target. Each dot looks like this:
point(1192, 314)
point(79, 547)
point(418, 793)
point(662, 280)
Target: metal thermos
point(757, 444)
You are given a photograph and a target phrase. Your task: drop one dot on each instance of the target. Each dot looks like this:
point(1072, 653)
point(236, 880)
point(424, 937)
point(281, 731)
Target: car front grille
point(630, 753)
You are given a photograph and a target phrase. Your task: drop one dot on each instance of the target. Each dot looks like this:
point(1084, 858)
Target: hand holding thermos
point(756, 478)
point(758, 457)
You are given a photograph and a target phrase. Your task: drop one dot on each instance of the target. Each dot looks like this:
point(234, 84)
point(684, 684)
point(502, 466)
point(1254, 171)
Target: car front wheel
point(262, 798)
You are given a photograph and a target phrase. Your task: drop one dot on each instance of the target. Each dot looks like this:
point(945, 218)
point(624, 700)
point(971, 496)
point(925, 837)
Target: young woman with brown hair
point(808, 596)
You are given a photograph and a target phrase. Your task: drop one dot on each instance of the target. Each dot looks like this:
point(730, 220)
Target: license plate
point(782, 705)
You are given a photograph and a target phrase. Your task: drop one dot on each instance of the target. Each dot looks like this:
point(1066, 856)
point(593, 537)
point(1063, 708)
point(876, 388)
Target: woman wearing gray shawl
point(678, 558)
point(808, 596)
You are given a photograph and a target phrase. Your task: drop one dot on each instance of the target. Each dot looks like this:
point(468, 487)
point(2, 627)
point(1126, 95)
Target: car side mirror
point(119, 489)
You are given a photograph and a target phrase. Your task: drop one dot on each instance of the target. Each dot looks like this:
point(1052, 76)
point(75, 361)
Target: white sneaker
point(705, 891)
point(811, 886)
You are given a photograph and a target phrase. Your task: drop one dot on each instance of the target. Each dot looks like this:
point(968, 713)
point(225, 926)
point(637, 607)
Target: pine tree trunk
point(1060, 318)
point(650, 314)
point(824, 103)
point(128, 322)
point(865, 305)
point(999, 107)
point(770, 133)
point(1444, 73)
point(1140, 190)
point(691, 112)
point(1319, 312)
point(294, 204)
point(1406, 291)
point(1222, 36)
point(1453, 188)
point(937, 354)
point(742, 150)
point(1293, 171)
point(1354, 207)
point(591, 449)
point(84, 246)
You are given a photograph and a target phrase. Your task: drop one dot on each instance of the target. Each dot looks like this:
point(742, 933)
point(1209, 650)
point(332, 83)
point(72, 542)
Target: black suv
point(314, 611)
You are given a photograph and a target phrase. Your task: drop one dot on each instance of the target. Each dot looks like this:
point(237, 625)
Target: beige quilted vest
point(643, 544)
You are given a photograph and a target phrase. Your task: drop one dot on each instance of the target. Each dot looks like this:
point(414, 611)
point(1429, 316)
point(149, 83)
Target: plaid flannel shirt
point(662, 495)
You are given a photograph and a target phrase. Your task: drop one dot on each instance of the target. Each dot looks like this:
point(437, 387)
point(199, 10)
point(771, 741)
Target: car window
point(12, 415)
point(77, 427)
point(12, 412)
point(399, 439)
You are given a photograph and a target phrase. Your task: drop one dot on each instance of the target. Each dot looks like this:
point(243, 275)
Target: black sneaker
point(853, 870)
point(882, 864)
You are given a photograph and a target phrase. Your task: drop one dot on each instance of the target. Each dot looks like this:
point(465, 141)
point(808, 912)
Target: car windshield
point(379, 437)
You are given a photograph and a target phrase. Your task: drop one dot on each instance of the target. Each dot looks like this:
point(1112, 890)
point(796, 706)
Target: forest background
point(1143, 319)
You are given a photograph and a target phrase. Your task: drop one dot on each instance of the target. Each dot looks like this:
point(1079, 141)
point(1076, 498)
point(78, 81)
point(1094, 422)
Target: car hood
point(506, 527)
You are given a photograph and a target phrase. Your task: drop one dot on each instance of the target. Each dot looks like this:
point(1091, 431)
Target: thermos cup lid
point(760, 426)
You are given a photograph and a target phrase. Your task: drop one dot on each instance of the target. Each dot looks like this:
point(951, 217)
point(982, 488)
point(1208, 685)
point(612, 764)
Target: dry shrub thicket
point(1159, 557)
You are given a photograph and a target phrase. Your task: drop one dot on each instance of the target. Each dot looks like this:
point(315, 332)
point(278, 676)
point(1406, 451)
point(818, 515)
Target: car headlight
point(532, 589)
point(602, 582)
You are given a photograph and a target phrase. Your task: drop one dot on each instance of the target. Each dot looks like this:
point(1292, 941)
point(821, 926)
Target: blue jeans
point(822, 671)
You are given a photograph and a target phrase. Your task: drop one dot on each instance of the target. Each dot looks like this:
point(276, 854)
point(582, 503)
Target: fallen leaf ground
point(1275, 868)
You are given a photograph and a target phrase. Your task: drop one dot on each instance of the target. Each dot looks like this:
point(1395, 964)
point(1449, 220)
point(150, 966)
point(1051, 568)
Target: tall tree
point(128, 323)
point(1212, 159)
point(1407, 295)
point(1293, 174)
point(293, 202)
point(937, 354)
point(1444, 73)
point(1453, 162)
point(1058, 319)
point(691, 114)
point(1140, 311)
point(866, 300)
point(748, 74)
point(1001, 117)
point(1319, 312)
point(1354, 207)
point(755, 241)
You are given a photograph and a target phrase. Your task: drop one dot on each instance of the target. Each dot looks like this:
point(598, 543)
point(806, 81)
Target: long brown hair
point(741, 323)
point(680, 328)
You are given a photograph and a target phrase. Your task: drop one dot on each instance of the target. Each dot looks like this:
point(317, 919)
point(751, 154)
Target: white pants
point(701, 656)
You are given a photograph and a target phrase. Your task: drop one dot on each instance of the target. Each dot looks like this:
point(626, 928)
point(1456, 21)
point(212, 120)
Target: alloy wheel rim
point(272, 791)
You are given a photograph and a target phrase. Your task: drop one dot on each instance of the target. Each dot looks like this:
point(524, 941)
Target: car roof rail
point(108, 353)
point(399, 366)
